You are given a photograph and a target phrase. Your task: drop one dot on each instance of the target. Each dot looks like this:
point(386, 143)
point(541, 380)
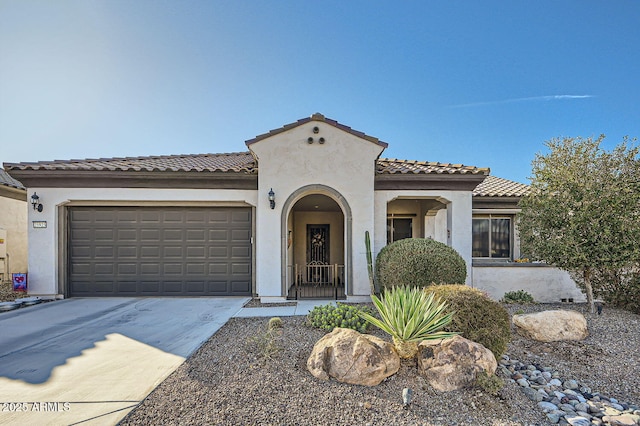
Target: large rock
point(552, 326)
point(454, 363)
point(354, 358)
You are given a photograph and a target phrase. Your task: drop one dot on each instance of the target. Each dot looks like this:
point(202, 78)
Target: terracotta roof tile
point(394, 166)
point(238, 162)
point(7, 180)
point(494, 186)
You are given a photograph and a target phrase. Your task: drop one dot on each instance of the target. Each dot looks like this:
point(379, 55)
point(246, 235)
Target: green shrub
point(519, 296)
point(619, 287)
point(477, 317)
point(409, 315)
point(419, 262)
point(327, 317)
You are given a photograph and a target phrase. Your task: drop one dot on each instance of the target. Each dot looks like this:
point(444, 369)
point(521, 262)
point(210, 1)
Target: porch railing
point(316, 281)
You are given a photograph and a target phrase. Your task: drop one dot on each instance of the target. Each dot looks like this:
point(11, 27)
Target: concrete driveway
point(90, 361)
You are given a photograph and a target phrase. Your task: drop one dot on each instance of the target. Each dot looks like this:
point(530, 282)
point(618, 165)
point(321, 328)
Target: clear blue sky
point(482, 83)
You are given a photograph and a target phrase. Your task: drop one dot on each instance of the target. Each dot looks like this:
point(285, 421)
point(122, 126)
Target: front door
point(318, 244)
point(318, 254)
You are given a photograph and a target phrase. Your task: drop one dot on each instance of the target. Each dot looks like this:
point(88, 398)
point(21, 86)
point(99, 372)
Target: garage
point(159, 251)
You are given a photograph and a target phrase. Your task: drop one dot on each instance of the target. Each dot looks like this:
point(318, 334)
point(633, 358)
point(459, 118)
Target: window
point(492, 236)
point(399, 229)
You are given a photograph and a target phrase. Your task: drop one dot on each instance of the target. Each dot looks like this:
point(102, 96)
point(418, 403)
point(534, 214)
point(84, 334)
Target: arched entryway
point(316, 251)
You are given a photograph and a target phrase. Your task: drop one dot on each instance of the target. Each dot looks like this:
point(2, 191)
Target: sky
point(481, 83)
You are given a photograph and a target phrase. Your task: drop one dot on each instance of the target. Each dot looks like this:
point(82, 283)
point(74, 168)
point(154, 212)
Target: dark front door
point(317, 253)
point(318, 244)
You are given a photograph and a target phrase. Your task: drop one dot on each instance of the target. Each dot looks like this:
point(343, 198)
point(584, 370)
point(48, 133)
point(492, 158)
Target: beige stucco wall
point(343, 168)
point(546, 284)
point(44, 261)
point(454, 221)
point(13, 220)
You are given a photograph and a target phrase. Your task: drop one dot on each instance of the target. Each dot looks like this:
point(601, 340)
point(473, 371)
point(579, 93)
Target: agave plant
point(410, 315)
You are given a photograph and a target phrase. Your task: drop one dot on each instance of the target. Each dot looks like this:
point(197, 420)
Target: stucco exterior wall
point(458, 219)
point(345, 165)
point(546, 284)
point(13, 220)
point(44, 262)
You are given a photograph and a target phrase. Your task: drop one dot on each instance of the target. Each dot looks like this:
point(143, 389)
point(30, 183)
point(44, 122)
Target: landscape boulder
point(552, 326)
point(454, 363)
point(351, 357)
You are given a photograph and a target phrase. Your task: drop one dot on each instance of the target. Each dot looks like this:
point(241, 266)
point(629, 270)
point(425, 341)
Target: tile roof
point(7, 180)
point(494, 186)
point(238, 162)
point(317, 117)
point(394, 166)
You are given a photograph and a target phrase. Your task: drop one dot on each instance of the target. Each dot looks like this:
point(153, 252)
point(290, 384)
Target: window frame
point(391, 227)
point(490, 217)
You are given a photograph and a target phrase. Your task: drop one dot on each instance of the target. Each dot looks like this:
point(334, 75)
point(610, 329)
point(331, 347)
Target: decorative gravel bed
point(229, 381)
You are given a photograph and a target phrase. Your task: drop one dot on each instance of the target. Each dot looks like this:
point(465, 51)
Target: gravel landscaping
point(239, 377)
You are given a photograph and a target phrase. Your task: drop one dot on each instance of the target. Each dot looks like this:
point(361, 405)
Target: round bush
point(477, 317)
point(419, 262)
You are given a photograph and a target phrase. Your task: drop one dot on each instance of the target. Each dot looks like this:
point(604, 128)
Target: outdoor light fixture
point(272, 199)
point(35, 202)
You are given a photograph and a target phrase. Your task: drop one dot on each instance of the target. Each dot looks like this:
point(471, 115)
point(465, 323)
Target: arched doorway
point(316, 253)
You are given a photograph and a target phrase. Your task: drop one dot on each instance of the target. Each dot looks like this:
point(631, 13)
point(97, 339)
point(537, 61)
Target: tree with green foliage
point(583, 211)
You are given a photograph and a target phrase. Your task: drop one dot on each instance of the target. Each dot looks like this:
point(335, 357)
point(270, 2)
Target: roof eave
point(431, 181)
point(135, 179)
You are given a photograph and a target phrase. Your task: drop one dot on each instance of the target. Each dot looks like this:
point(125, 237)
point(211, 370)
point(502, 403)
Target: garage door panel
point(127, 269)
point(159, 251)
point(127, 235)
point(149, 235)
point(127, 252)
point(126, 287)
point(172, 268)
point(240, 286)
point(173, 235)
point(196, 235)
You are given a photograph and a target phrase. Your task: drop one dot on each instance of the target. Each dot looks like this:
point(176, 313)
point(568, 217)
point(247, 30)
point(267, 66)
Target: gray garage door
point(159, 251)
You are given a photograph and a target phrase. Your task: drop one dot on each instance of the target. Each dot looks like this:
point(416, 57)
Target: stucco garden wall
point(545, 283)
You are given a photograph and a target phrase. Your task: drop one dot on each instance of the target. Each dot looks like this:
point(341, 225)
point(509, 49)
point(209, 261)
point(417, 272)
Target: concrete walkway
point(91, 361)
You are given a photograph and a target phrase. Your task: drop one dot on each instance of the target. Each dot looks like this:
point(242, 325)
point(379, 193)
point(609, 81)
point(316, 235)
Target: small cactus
point(275, 323)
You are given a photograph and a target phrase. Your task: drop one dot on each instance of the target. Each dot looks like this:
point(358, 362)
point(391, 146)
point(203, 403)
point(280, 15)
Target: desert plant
point(519, 296)
point(418, 262)
point(477, 318)
point(491, 384)
point(409, 315)
point(327, 317)
point(265, 343)
point(275, 323)
point(367, 244)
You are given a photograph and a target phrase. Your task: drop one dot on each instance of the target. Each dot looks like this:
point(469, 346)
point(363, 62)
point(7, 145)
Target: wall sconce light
point(272, 199)
point(35, 202)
